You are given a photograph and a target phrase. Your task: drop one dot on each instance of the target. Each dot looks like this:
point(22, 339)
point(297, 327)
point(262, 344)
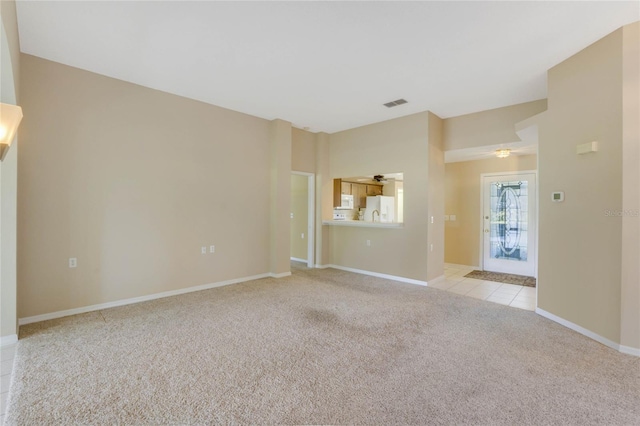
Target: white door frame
point(311, 215)
point(535, 234)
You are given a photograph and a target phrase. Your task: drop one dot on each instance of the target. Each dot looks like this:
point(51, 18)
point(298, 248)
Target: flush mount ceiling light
point(503, 153)
point(10, 116)
point(395, 103)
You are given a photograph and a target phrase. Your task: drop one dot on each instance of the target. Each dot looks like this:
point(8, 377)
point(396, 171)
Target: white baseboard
point(629, 350)
point(322, 266)
point(280, 275)
point(100, 306)
point(297, 259)
point(11, 339)
point(590, 334)
point(379, 275)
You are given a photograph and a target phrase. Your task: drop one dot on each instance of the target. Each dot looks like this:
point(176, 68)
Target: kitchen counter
point(362, 224)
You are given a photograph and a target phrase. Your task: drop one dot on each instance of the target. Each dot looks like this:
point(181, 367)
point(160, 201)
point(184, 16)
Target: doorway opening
point(466, 271)
point(508, 223)
point(302, 218)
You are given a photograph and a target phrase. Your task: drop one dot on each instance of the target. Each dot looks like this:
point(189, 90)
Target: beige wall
point(462, 199)
point(9, 81)
point(579, 244)
point(399, 145)
point(300, 212)
point(492, 127)
point(303, 151)
point(435, 194)
point(132, 182)
point(630, 290)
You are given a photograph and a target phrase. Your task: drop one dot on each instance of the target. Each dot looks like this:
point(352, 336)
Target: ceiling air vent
point(395, 103)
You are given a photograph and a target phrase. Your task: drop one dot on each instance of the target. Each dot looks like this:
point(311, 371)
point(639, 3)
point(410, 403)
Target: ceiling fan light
point(503, 153)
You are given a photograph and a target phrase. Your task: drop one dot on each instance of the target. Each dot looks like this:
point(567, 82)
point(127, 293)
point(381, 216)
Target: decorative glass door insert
point(509, 225)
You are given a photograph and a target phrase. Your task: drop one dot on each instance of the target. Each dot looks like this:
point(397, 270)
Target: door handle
point(486, 231)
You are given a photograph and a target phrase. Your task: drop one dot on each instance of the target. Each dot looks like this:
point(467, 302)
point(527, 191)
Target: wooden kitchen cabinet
point(373, 190)
point(337, 191)
point(359, 195)
point(346, 188)
point(360, 192)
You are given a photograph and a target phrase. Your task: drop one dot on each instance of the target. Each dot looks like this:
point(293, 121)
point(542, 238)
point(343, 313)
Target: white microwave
point(346, 202)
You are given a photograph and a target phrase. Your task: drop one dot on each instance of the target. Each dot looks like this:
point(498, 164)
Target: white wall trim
point(588, 333)
point(322, 266)
point(282, 274)
point(297, 259)
point(100, 306)
point(629, 350)
point(379, 275)
point(311, 215)
point(9, 340)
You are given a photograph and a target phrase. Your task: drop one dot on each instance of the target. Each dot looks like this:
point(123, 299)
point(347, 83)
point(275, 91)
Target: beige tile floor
point(6, 366)
point(516, 296)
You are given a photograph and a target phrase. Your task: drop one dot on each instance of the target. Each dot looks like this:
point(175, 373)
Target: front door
point(509, 223)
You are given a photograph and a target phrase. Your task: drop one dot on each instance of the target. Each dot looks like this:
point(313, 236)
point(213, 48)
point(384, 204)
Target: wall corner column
point(324, 199)
point(630, 276)
point(435, 196)
point(280, 149)
point(10, 82)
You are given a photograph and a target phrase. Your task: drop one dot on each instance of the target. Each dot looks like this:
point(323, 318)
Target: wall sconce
point(503, 153)
point(10, 117)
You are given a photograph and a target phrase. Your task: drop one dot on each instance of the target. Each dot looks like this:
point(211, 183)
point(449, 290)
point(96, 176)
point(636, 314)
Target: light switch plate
point(586, 148)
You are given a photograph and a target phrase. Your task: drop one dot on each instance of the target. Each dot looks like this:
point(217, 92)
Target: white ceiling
point(328, 66)
point(489, 151)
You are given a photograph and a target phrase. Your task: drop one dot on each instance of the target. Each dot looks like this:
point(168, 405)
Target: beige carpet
point(321, 347)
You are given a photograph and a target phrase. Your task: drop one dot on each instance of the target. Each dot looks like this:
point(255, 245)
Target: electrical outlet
point(431, 219)
point(369, 243)
point(431, 247)
point(203, 250)
point(73, 262)
point(302, 235)
point(291, 215)
point(212, 249)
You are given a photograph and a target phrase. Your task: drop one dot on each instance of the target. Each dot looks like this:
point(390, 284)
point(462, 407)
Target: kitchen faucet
point(373, 215)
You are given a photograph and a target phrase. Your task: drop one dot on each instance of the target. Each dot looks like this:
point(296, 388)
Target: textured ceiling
point(328, 66)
